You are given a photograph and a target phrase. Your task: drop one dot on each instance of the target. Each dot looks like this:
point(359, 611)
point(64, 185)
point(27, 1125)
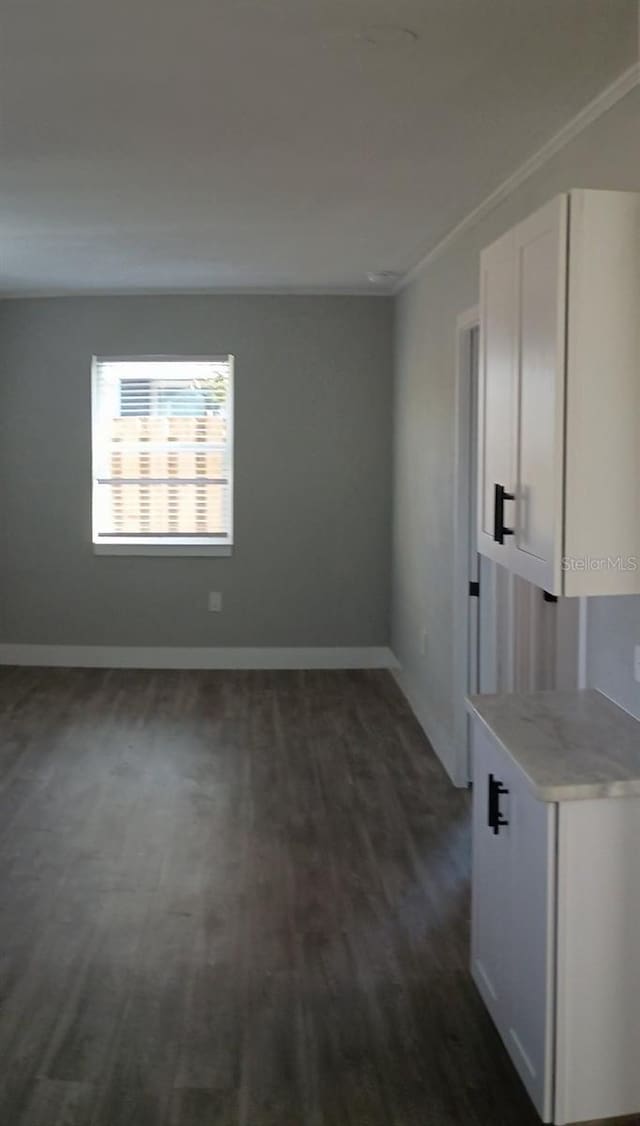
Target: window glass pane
point(135, 397)
point(162, 464)
point(161, 509)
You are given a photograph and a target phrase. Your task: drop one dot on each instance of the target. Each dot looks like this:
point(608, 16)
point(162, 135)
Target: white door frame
point(465, 323)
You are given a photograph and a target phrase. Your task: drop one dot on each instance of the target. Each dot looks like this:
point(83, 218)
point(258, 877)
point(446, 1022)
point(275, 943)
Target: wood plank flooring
point(234, 899)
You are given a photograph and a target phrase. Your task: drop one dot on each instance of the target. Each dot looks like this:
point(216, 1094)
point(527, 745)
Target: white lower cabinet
point(512, 913)
point(555, 945)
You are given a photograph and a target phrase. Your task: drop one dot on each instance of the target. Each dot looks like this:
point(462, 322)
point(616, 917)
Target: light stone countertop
point(569, 745)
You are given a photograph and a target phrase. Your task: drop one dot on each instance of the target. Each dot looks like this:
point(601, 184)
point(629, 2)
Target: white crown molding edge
point(302, 291)
point(594, 109)
point(177, 657)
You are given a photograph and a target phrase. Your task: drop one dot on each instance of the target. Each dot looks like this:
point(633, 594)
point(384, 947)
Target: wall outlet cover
point(215, 601)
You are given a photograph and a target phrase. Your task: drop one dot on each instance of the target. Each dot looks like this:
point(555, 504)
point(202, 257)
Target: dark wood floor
point(234, 898)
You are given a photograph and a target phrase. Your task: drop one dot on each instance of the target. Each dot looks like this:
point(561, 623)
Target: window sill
point(161, 549)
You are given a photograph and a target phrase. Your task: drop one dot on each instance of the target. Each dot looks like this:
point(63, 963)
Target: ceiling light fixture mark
point(382, 277)
point(389, 35)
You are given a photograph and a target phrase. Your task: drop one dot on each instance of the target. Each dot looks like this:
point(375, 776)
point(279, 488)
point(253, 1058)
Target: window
point(162, 455)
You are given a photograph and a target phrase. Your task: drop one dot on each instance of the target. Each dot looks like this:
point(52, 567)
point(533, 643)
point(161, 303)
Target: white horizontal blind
point(162, 450)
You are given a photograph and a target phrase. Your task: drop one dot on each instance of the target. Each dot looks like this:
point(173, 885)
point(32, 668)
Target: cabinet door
point(512, 918)
point(531, 929)
point(490, 883)
point(497, 390)
point(541, 254)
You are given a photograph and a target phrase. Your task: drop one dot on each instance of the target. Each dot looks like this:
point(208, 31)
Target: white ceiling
point(203, 144)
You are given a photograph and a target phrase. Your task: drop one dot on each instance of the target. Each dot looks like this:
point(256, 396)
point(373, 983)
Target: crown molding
point(302, 291)
point(594, 109)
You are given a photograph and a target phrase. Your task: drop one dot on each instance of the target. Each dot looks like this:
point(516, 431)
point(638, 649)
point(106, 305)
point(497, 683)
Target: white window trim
point(159, 549)
point(168, 548)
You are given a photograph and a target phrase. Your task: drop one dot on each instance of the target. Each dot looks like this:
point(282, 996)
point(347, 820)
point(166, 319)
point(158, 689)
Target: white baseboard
point(152, 657)
point(437, 735)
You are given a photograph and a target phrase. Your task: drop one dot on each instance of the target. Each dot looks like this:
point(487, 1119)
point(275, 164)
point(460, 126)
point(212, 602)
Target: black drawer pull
point(495, 820)
point(499, 530)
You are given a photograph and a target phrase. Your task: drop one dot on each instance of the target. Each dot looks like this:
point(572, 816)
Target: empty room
point(319, 562)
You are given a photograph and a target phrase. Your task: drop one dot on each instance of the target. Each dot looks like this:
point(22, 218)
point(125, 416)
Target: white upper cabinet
point(559, 402)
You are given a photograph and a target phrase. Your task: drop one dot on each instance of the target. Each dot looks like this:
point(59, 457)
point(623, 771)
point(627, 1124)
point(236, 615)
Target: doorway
point(509, 636)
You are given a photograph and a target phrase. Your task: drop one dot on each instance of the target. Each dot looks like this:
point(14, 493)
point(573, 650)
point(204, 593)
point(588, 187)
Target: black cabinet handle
point(499, 530)
point(495, 820)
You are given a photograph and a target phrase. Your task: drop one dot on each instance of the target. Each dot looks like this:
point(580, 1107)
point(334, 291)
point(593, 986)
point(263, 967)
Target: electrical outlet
point(636, 663)
point(215, 601)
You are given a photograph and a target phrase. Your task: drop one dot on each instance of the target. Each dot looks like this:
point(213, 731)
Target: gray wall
point(313, 470)
point(614, 631)
point(605, 155)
